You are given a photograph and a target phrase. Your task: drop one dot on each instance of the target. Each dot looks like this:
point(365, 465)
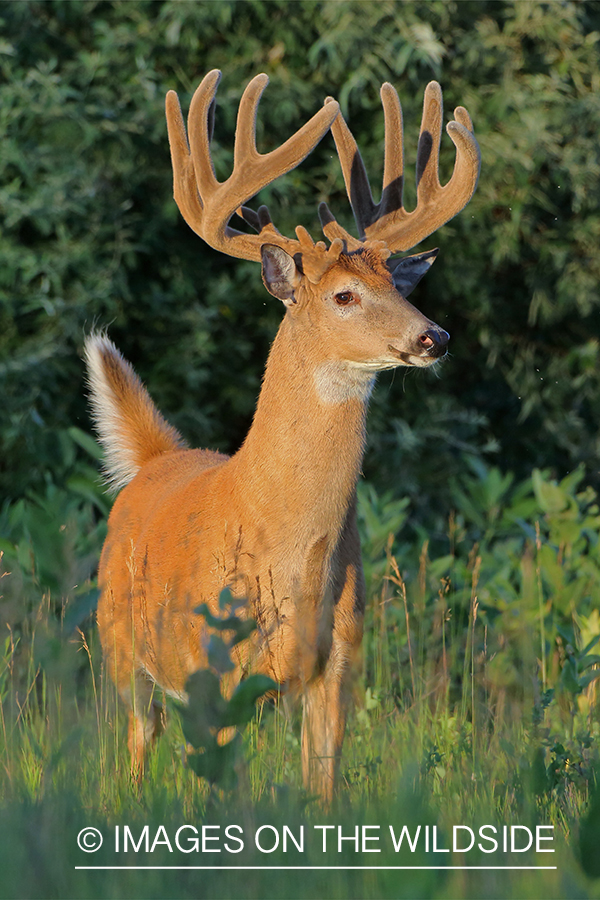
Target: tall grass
point(474, 704)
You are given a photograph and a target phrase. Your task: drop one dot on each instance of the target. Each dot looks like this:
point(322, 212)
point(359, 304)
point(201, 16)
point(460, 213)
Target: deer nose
point(434, 341)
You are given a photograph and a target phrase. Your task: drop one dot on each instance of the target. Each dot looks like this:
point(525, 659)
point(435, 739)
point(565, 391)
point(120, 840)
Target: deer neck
point(303, 453)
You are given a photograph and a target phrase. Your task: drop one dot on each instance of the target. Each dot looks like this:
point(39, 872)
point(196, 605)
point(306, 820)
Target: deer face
point(359, 309)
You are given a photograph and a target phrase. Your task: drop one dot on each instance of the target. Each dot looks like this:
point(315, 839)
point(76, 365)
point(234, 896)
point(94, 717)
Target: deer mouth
point(401, 355)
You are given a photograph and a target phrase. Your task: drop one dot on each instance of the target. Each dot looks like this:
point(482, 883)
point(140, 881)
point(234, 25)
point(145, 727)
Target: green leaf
point(550, 496)
point(205, 711)
point(585, 680)
point(219, 657)
point(217, 763)
point(86, 442)
point(79, 609)
point(589, 838)
point(241, 707)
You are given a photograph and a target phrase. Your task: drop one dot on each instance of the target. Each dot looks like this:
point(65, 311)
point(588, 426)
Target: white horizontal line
point(314, 868)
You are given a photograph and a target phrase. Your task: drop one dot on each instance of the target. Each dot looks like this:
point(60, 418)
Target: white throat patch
point(337, 381)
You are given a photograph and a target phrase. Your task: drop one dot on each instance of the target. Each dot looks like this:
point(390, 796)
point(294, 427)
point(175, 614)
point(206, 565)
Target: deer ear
point(279, 273)
point(407, 272)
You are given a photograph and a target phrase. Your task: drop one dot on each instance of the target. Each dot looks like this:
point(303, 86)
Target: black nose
point(434, 341)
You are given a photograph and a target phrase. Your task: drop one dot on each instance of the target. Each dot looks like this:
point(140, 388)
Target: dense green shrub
point(92, 236)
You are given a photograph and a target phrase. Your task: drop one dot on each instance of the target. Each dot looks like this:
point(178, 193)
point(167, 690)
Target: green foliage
point(207, 713)
point(454, 719)
point(92, 236)
point(589, 836)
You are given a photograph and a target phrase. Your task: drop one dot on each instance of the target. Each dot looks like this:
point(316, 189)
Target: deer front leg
point(325, 703)
point(326, 696)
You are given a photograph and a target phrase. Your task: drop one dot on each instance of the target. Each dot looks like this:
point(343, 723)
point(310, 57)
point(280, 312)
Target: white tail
point(276, 522)
point(131, 429)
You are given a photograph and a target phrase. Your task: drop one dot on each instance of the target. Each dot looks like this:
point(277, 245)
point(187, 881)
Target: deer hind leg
point(146, 722)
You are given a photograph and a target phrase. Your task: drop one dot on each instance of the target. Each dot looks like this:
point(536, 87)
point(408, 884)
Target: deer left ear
point(407, 272)
point(279, 273)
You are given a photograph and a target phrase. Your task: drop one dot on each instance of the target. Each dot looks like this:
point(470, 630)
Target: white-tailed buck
point(276, 522)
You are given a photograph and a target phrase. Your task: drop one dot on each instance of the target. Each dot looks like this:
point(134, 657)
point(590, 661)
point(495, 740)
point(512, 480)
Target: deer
point(276, 522)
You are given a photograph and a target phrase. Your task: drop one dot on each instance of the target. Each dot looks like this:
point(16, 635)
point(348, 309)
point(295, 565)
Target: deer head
point(351, 288)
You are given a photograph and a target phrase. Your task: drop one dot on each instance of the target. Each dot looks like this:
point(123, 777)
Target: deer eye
point(345, 298)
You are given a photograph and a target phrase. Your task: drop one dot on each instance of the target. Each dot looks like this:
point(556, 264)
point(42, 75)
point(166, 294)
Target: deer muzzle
point(434, 342)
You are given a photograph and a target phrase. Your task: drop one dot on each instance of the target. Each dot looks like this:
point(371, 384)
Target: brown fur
point(276, 522)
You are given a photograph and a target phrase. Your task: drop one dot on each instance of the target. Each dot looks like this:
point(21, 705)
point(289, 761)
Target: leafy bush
point(208, 719)
point(91, 234)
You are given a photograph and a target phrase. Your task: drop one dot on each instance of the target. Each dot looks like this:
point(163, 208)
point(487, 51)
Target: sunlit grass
point(474, 702)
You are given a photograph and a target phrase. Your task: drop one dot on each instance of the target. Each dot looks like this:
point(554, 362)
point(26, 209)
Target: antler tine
point(184, 178)
point(366, 211)
point(256, 170)
point(200, 133)
point(188, 175)
point(244, 150)
point(428, 148)
point(468, 158)
point(355, 175)
point(290, 154)
point(261, 222)
point(393, 160)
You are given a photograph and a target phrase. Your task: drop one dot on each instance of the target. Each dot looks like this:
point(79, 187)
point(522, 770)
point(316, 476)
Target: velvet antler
point(207, 205)
point(388, 220)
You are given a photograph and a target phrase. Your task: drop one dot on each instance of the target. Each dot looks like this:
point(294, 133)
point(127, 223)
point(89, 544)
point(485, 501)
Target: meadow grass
point(474, 703)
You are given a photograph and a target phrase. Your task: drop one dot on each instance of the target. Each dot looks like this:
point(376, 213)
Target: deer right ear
point(279, 273)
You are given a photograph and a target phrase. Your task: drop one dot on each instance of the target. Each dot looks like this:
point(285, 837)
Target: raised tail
point(130, 427)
